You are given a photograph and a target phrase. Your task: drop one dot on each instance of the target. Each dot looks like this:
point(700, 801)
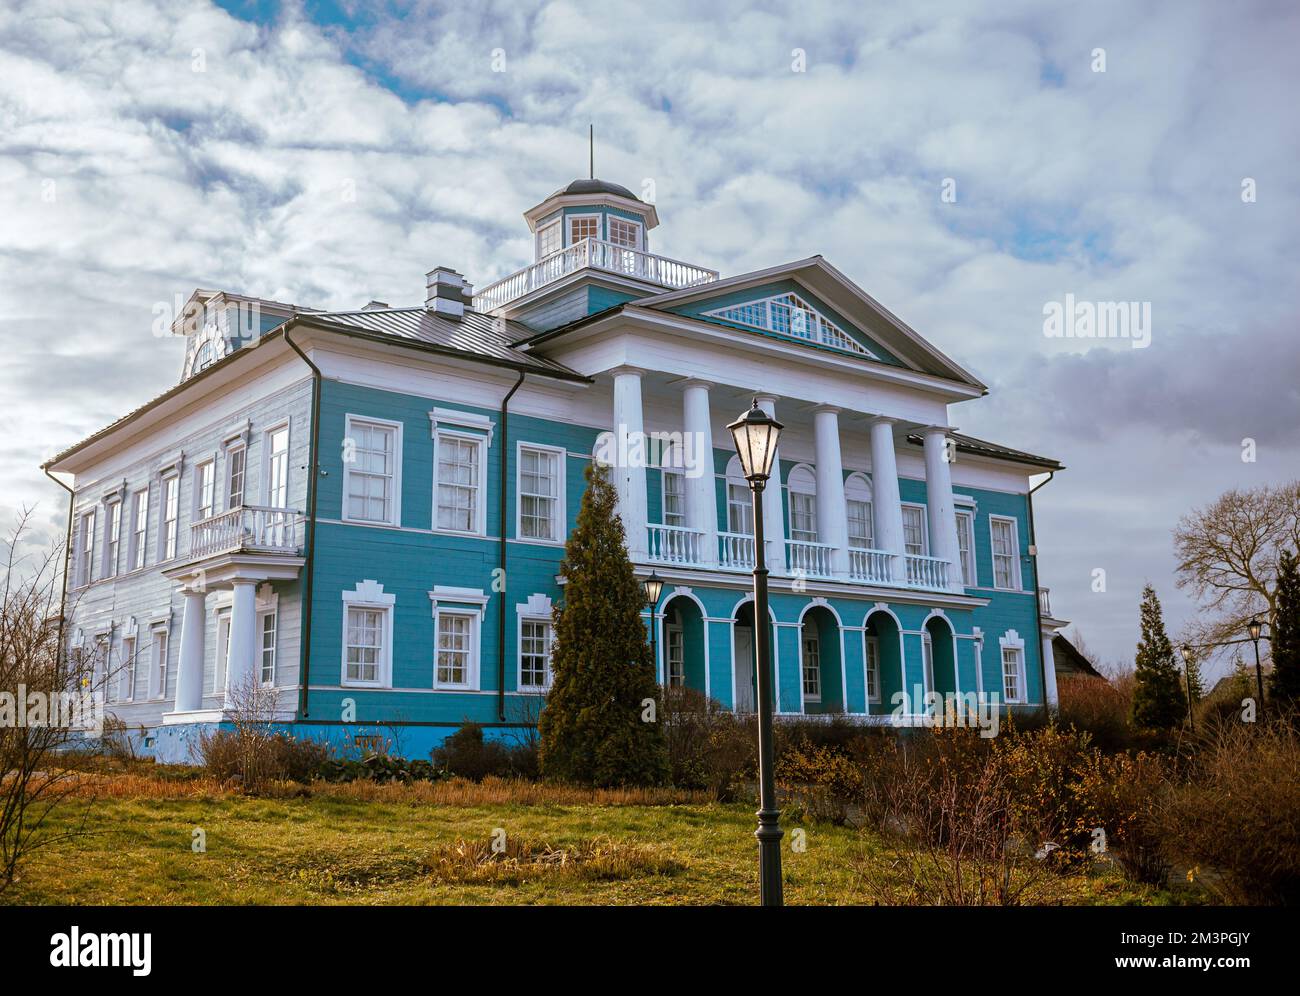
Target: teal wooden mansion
point(361, 515)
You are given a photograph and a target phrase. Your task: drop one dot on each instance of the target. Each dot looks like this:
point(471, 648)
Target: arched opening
point(801, 485)
point(744, 659)
point(884, 656)
point(819, 661)
point(682, 648)
point(940, 657)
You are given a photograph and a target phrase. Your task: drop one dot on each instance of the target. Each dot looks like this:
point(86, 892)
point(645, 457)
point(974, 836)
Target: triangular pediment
point(791, 316)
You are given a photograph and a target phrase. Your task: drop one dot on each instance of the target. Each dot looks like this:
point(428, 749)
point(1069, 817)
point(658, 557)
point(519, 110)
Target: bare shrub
point(254, 753)
point(1098, 706)
point(708, 746)
point(1123, 796)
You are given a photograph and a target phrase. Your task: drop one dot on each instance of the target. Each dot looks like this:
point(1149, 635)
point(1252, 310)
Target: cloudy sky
point(328, 154)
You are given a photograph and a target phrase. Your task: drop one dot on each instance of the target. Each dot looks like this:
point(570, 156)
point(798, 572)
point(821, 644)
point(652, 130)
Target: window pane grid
point(534, 654)
point(812, 671)
point(365, 644)
point(538, 491)
point(453, 649)
point(458, 484)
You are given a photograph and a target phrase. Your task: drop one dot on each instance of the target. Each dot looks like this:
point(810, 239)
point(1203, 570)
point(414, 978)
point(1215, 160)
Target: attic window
point(791, 316)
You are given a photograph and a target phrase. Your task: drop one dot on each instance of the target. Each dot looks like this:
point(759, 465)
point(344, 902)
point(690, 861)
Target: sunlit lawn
point(332, 847)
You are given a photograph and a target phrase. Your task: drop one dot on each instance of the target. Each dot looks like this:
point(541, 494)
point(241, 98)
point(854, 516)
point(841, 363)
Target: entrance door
point(744, 658)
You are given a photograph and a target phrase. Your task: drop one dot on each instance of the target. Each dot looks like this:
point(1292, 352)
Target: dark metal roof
point(475, 334)
point(982, 447)
point(596, 187)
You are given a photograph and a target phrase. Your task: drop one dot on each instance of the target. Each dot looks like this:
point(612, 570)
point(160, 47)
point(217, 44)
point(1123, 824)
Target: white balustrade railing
point(736, 551)
point(675, 544)
point(1045, 601)
point(251, 527)
point(927, 572)
point(599, 255)
point(810, 559)
point(872, 566)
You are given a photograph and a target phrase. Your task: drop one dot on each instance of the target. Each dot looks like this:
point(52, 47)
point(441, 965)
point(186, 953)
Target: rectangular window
point(160, 664)
point(370, 466)
point(113, 541)
point(812, 667)
point(140, 676)
point(365, 645)
point(740, 509)
point(223, 653)
point(927, 660)
point(861, 531)
point(1005, 573)
point(535, 638)
point(624, 233)
point(140, 528)
point(966, 546)
point(277, 468)
point(539, 494)
point(914, 530)
point(1011, 674)
point(171, 516)
point(86, 549)
point(128, 669)
point(674, 498)
point(236, 463)
point(873, 669)
point(803, 517)
point(455, 649)
point(268, 649)
point(548, 240)
point(584, 227)
point(459, 468)
point(676, 655)
point(205, 490)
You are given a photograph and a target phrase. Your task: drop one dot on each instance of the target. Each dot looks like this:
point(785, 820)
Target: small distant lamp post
point(756, 433)
point(1187, 677)
point(1255, 627)
point(653, 586)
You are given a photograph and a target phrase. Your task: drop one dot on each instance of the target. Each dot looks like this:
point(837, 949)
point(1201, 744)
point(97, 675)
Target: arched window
point(802, 485)
point(740, 503)
point(857, 496)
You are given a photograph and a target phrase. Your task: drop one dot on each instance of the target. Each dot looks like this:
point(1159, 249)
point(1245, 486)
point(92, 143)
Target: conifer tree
point(596, 728)
point(1284, 682)
point(1158, 700)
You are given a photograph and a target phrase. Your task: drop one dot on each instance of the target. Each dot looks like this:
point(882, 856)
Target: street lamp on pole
point(1254, 628)
point(755, 433)
point(653, 586)
point(1187, 677)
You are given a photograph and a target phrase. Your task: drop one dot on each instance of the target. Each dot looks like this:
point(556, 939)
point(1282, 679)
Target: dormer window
point(790, 316)
point(583, 226)
point(548, 240)
point(624, 233)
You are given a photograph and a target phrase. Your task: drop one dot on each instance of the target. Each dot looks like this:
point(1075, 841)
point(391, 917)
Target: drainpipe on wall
point(67, 554)
point(1038, 602)
point(501, 609)
point(313, 474)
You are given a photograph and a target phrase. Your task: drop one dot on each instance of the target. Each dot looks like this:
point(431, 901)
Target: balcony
point(594, 254)
point(926, 572)
point(871, 566)
point(676, 545)
point(249, 529)
point(809, 559)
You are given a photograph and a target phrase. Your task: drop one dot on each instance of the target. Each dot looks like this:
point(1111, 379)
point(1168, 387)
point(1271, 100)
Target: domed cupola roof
point(596, 187)
point(594, 195)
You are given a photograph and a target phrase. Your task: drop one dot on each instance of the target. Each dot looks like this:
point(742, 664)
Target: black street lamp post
point(1187, 678)
point(1254, 627)
point(756, 434)
point(653, 585)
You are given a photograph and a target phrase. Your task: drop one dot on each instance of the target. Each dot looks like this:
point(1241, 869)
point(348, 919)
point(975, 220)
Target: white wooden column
point(189, 672)
point(886, 504)
point(242, 671)
point(628, 471)
point(832, 510)
point(941, 512)
point(773, 506)
point(701, 483)
point(1049, 673)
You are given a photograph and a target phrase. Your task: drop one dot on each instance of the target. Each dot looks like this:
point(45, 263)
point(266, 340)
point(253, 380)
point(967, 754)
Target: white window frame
point(86, 526)
point(560, 514)
point(871, 669)
point(806, 489)
point(127, 677)
point(267, 457)
point(221, 663)
point(854, 486)
point(569, 221)
point(804, 630)
point(927, 660)
point(1012, 641)
point(169, 530)
point(452, 601)
point(1015, 551)
point(556, 226)
point(925, 529)
point(370, 595)
point(636, 225)
point(236, 449)
point(209, 465)
point(481, 443)
point(966, 530)
point(549, 636)
point(138, 547)
point(744, 503)
point(158, 668)
point(274, 616)
point(112, 537)
point(674, 634)
point(680, 478)
point(395, 478)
